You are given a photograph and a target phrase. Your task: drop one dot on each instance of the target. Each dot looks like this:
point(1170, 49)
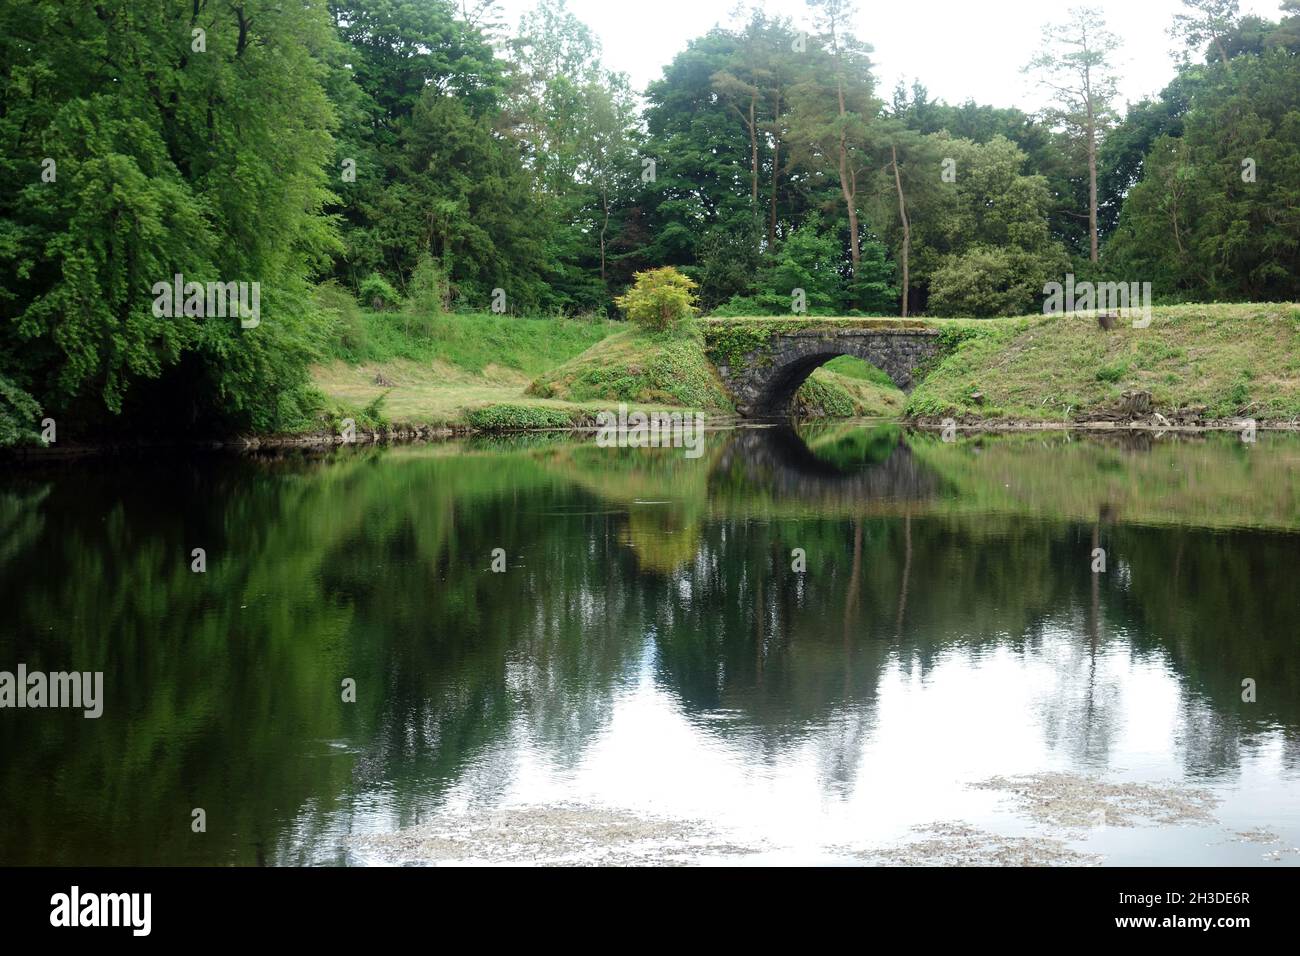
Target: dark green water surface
point(946, 663)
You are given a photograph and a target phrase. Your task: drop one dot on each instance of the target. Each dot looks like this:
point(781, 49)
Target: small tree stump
point(1135, 404)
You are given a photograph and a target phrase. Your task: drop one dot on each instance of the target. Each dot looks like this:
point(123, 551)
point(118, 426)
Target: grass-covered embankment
point(1192, 364)
point(636, 366)
point(446, 370)
point(674, 368)
point(1199, 363)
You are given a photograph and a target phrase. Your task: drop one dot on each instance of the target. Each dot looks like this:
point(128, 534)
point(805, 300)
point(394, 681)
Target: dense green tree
point(696, 148)
point(1124, 151)
point(1047, 154)
point(723, 178)
point(991, 251)
point(431, 174)
point(400, 47)
point(141, 139)
point(1217, 213)
point(460, 194)
point(554, 56)
point(729, 262)
point(576, 123)
point(1287, 33)
point(812, 260)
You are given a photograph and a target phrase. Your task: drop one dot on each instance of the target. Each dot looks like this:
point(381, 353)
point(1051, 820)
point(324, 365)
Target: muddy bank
point(415, 434)
point(394, 435)
point(405, 434)
point(1155, 425)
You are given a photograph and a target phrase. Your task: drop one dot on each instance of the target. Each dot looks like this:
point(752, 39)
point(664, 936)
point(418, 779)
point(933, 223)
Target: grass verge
point(1195, 361)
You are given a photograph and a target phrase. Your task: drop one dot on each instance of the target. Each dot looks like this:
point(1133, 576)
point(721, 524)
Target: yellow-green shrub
point(659, 298)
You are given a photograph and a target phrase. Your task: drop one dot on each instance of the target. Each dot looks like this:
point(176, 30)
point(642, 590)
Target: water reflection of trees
point(223, 688)
point(1211, 607)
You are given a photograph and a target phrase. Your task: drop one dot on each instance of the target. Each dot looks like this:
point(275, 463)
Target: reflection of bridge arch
point(778, 459)
point(764, 383)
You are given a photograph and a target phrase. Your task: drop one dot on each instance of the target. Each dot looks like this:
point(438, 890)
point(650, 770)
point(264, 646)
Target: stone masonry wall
point(764, 385)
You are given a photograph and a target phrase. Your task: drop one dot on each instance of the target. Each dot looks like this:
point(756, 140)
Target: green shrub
point(659, 299)
point(377, 293)
point(988, 281)
point(373, 413)
point(517, 417)
point(430, 290)
point(1239, 395)
point(744, 305)
point(349, 330)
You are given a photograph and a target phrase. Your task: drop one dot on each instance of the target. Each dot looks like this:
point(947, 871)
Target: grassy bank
point(502, 373)
point(447, 370)
point(1197, 362)
point(1193, 363)
point(634, 366)
point(674, 368)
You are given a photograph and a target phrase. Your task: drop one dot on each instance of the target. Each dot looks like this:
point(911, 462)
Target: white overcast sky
point(960, 49)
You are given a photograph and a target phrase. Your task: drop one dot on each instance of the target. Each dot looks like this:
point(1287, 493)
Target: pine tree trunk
point(1092, 185)
point(850, 199)
point(907, 226)
point(1092, 168)
point(847, 187)
point(604, 228)
point(776, 168)
point(753, 156)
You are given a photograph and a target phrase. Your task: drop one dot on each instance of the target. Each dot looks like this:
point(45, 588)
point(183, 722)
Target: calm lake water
point(651, 678)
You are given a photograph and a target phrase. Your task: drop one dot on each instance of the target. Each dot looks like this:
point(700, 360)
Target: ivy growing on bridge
point(730, 341)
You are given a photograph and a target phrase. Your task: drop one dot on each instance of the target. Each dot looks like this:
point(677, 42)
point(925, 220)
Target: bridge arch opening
point(777, 398)
point(857, 369)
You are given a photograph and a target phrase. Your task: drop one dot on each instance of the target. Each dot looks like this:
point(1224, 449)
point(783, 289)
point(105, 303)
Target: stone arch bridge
point(762, 362)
